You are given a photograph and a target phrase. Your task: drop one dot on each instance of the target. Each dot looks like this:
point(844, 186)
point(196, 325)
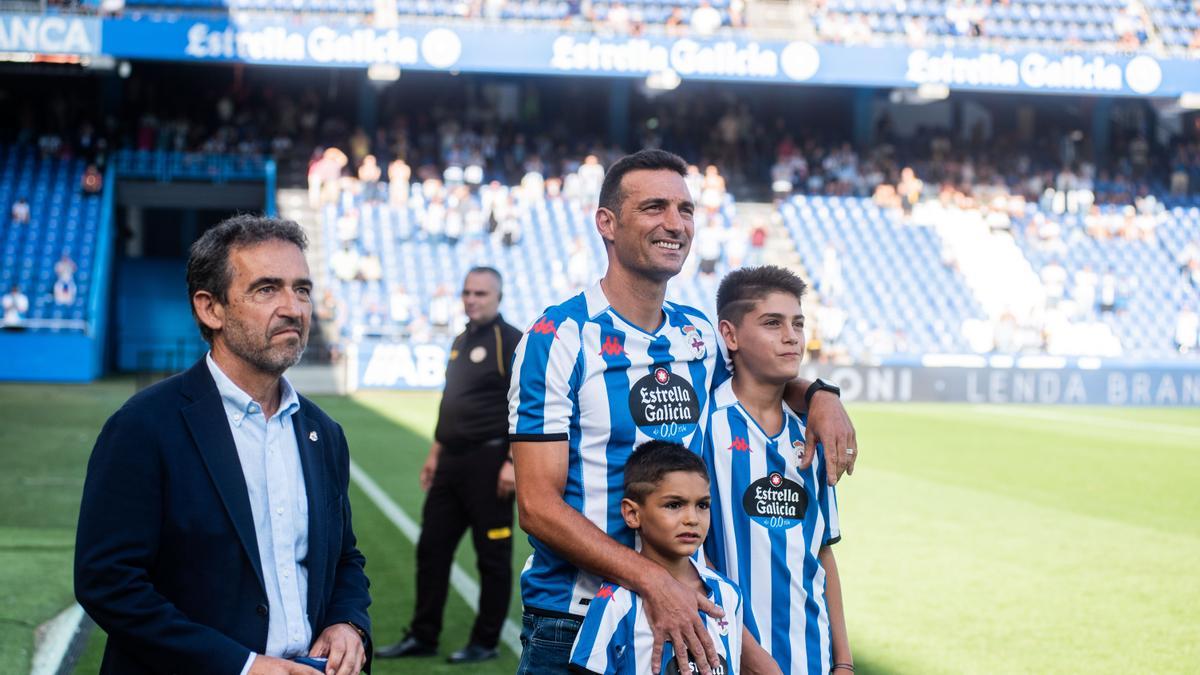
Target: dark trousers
point(463, 495)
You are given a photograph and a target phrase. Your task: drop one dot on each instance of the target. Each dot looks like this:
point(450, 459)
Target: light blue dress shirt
point(270, 461)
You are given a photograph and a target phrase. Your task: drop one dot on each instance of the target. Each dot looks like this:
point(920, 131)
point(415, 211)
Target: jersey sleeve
point(606, 633)
point(541, 396)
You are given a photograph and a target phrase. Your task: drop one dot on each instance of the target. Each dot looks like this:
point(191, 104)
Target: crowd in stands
point(1123, 25)
point(1051, 203)
point(456, 208)
point(474, 173)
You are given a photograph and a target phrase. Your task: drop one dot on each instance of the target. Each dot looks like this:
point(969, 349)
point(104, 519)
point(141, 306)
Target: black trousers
point(463, 495)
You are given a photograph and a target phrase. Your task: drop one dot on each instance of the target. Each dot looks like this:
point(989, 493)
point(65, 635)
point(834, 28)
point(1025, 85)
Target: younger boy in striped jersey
point(773, 522)
point(667, 503)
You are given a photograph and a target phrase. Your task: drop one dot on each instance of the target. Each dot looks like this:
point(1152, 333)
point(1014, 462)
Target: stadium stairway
point(293, 205)
point(993, 266)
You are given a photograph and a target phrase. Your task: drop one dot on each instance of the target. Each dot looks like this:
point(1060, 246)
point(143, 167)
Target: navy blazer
point(166, 558)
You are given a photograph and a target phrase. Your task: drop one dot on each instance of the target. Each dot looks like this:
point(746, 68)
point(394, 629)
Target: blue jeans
point(546, 644)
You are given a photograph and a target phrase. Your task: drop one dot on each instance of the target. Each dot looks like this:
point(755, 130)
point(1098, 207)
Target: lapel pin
point(312, 436)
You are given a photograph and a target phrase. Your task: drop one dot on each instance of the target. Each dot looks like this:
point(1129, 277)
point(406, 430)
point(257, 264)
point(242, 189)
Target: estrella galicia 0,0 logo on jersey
point(692, 669)
point(664, 405)
point(775, 502)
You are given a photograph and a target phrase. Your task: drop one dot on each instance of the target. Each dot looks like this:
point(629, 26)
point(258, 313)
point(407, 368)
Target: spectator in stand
point(695, 182)
point(1054, 280)
point(737, 13)
point(92, 182)
point(705, 19)
point(434, 222)
point(345, 263)
point(1084, 293)
point(369, 174)
point(64, 292)
point(347, 228)
point(20, 212)
point(399, 176)
point(15, 305)
point(712, 195)
point(909, 189)
point(758, 244)
point(619, 18)
point(401, 305)
point(1187, 326)
point(370, 268)
point(509, 228)
point(709, 244)
point(591, 176)
point(675, 23)
point(831, 272)
point(330, 311)
point(1188, 259)
point(441, 312)
point(1108, 291)
point(360, 146)
point(65, 268)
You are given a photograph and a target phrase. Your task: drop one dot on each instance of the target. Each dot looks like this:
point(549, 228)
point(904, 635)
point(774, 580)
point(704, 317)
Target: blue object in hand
point(312, 662)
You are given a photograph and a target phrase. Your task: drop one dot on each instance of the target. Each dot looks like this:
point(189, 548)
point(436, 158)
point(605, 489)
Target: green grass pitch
point(977, 539)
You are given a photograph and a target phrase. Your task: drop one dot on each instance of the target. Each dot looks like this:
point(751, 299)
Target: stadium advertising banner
point(48, 34)
point(549, 52)
point(387, 365)
point(399, 365)
point(1124, 386)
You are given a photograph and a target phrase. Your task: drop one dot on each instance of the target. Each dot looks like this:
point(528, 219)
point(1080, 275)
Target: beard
point(259, 352)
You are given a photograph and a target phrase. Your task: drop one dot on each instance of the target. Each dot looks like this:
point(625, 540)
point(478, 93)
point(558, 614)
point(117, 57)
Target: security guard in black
point(469, 479)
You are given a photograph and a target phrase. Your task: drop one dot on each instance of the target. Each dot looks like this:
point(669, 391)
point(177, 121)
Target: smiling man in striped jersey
point(606, 370)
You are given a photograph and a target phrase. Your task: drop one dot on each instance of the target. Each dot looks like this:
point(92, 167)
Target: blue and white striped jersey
point(616, 637)
point(769, 522)
point(585, 375)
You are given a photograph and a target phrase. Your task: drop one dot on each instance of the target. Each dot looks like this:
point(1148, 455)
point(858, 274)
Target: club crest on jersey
point(776, 502)
point(664, 405)
point(695, 340)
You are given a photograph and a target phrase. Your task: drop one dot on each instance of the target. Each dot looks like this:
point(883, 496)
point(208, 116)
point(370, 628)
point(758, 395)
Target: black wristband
point(820, 385)
point(843, 666)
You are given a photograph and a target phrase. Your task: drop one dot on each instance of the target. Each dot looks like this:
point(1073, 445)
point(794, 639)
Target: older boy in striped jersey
point(773, 522)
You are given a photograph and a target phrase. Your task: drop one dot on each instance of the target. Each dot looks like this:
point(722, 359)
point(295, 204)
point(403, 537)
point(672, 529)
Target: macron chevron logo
point(739, 444)
point(612, 346)
point(544, 326)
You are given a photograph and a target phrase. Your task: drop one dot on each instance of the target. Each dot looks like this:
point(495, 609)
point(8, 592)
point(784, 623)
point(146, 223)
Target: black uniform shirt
point(474, 405)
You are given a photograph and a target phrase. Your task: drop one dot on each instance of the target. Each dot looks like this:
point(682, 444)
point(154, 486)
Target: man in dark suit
point(215, 532)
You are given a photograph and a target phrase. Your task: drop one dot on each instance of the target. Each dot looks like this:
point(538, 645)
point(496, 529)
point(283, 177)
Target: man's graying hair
point(208, 261)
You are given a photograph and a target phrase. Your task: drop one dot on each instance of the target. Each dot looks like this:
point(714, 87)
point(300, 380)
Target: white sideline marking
point(463, 584)
point(52, 648)
point(1110, 423)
